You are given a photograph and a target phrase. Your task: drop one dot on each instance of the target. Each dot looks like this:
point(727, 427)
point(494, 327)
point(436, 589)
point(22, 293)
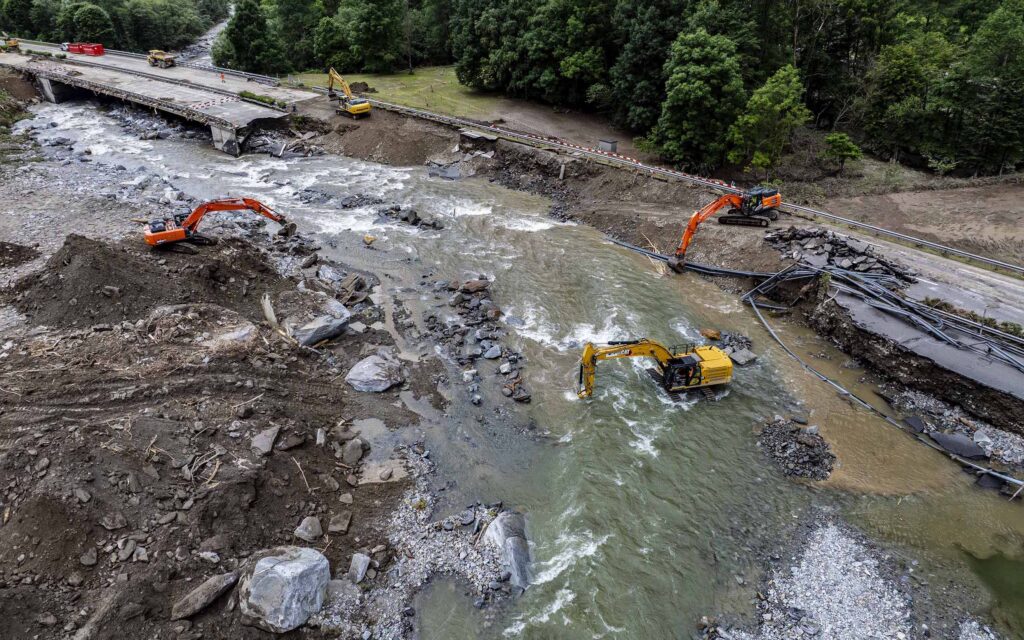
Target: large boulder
point(322, 328)
point(374, 373)
point(284, 588)
point(507, 533)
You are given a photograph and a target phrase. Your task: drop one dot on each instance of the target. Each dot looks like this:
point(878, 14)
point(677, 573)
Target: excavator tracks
point(745, 221)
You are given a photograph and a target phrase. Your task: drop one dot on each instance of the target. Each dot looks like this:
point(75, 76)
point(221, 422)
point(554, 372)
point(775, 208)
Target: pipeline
point(846, 393)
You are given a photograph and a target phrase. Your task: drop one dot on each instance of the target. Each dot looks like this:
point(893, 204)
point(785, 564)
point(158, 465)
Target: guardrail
point(95, 62)
point(255, 77)
point(626, 161)
point(621, 160)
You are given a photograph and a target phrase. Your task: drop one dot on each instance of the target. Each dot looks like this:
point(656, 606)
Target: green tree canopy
point(16, 17)
point(760, 135)
point(704, 95)
point(248, 42)
point(839, 148)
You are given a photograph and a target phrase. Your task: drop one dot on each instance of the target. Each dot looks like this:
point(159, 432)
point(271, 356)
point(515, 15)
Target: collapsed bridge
point(206, 95)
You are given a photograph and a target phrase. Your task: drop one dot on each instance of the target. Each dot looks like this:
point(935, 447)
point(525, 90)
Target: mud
point(125, 437)
point(89, 282)
point(12, 255)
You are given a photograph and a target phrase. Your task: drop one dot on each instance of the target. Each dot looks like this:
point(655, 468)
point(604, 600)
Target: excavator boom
point(349, 105)
point(183, 227)
point(757, 207)
point(689, 369)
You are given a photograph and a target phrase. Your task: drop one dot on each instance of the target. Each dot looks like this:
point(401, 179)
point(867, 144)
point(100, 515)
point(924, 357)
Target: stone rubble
point(821, 247)
point(799, 450)
point(475, 333)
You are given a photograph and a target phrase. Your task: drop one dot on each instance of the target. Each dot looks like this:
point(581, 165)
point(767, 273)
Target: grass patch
point(1007, 327)
point(432, 88)
point(268, 100)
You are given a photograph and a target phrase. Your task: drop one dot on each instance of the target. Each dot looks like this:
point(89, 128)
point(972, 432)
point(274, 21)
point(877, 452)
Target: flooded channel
point(644, 514)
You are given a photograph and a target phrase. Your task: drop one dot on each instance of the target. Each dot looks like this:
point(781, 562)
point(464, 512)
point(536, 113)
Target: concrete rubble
point(821, 247)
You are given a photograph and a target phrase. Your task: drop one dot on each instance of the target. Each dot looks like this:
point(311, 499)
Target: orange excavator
point(755, 208)
point(181, 227)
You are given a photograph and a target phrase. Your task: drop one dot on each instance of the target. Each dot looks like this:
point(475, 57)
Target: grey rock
point(346, 498)
point(352, 452)
point(340, 522)
point(507, 533)
point(309, 529)
point(263, 442)
point(284, 588)
point(82, 495)
point(493, 353)
point(322, 328)
point(114, 521)
point(203, 595)
point(374, 374)
point(743, 357)
point(89, 558)
point(357, 568)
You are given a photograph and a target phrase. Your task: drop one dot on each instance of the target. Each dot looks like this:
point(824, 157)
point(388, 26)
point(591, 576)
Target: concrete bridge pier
point(226, 139)
point(51, 91)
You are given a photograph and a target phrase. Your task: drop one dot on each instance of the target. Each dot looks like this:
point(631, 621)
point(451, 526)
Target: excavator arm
point(334, 78)
point(350, 105)
point(702, 214)
point(754, 208)
point(627, 349)
point(230, 204)
point(178, 228)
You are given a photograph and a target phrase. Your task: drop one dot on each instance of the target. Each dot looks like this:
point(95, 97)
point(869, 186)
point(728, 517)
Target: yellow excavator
point(677, 369)
point(7, 43)
point(348, 104)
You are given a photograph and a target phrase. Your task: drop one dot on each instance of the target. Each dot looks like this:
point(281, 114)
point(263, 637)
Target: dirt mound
point(11, 255)
point(362, 87)
point(88, 282)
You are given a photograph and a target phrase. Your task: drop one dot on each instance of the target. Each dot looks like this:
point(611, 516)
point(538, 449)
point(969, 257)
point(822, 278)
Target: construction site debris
point(819, 247)
point(204, 595)
point(799, 451)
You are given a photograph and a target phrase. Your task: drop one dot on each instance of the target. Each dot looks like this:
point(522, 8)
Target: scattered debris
point(800, 451)
point(821, 247)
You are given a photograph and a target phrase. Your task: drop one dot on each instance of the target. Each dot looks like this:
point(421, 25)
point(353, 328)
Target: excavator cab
point(761, 201)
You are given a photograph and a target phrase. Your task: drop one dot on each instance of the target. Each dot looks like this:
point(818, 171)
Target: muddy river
point(644, 514)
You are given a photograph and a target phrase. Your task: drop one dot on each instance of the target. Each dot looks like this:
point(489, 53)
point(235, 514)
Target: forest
point(938, 84)
point(133, 25)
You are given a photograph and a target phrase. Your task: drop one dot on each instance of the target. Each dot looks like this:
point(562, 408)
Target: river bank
point(159, 430)
point(570, 466)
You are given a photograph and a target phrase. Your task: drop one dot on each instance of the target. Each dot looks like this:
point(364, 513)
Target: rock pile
point(476, 335)
point(409, 215)
point(737, 347)
point(821, 248)
point(298, 145)
point(800, 451)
